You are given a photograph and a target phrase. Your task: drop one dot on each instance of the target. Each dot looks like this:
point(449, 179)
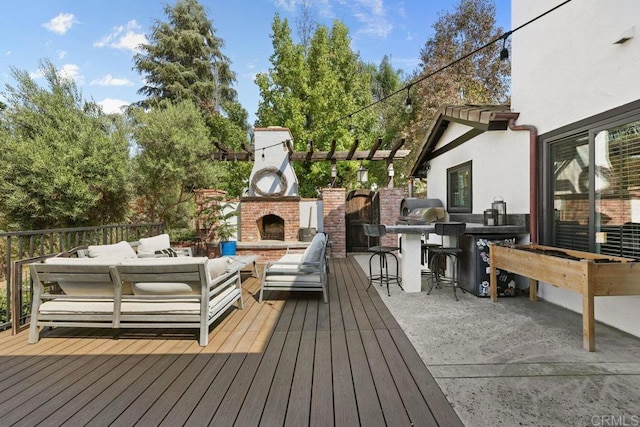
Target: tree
point(184, 62)
point(309, 90)
point(392, 117)
point(64, 162)
point(173, 159)
point(479, 79)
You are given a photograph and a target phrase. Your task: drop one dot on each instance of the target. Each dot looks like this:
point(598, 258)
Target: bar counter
point(412, 246)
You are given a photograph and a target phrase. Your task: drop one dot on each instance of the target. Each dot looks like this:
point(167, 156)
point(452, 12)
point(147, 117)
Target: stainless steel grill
point(421, 211)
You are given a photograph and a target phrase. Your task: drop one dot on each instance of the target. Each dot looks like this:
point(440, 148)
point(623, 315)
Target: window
point(593, 176)
point(459, 188)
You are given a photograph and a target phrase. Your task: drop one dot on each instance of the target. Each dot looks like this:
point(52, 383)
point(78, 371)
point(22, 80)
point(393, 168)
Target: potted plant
point(214, 225)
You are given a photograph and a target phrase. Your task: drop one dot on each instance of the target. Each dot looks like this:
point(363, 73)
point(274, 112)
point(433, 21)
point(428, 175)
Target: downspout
point(533, 176)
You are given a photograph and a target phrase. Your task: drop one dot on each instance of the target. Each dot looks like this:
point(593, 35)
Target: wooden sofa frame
point(117, 310)
point(291, 273)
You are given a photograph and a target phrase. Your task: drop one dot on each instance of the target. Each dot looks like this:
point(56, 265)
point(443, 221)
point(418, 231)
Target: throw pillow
point(167, 253)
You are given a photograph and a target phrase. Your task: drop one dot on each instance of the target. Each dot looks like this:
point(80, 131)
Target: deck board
point(290, 360)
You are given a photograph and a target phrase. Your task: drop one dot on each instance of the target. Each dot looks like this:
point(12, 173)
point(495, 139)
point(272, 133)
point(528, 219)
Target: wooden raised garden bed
point(587, 273)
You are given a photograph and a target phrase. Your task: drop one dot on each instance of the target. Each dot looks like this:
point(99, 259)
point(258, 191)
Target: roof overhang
point(479, 118)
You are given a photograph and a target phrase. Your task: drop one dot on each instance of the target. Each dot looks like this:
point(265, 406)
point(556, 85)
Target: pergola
point(311, 155)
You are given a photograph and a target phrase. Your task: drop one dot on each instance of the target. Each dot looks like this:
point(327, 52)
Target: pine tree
point(184, 61)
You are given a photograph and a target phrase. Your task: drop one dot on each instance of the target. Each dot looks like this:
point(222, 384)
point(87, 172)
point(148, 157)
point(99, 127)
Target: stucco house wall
point(500, 168)
point(566, 67)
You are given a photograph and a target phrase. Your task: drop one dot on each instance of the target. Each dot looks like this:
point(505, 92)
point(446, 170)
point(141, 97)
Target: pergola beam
point(353, 149)
point(375, 147)
point(318, 156)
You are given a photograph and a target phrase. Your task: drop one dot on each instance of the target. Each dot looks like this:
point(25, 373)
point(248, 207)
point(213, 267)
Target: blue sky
point(94, 41)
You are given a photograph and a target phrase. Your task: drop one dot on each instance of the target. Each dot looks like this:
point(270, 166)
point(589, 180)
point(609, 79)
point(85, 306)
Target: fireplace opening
point(271, 227)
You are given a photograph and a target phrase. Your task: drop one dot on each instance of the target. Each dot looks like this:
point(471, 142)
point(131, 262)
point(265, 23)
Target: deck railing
point(20, 246)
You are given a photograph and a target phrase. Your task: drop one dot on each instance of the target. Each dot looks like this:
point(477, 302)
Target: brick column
point(333, 207)
point(390, 199)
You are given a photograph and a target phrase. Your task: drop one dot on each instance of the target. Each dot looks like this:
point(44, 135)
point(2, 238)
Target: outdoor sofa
point(114, 288)
point(305, 271)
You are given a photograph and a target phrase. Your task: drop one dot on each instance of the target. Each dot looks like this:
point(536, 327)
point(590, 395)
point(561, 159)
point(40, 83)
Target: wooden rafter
point(353, 149)
point(312, 155)
point(332, 149)
point(375, 147)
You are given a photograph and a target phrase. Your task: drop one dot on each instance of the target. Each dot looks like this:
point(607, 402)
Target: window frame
point(452, 173)
point(591, 126)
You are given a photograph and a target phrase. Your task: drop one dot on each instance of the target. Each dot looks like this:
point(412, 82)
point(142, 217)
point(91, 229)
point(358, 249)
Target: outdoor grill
point(421, 211)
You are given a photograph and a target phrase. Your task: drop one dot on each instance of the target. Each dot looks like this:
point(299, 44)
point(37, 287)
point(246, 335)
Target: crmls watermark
point(615, 420)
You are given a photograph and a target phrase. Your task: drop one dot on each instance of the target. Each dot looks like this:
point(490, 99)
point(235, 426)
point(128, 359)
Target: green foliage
point(173, 159)
point(184, 60)
point(479, 79)
point(308, 89)
point(64, 163)
point(213, 218)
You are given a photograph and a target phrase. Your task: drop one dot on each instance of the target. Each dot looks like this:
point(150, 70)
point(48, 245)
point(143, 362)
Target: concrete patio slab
point(515, 362)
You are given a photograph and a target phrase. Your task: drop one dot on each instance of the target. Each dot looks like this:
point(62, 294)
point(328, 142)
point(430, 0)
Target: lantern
point(490, 217)
point(363, 174)
point(499, 205)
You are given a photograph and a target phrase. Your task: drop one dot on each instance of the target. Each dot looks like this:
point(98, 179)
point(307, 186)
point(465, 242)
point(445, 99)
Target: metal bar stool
point(425, 258)
point(376, 231)
point(450, 250)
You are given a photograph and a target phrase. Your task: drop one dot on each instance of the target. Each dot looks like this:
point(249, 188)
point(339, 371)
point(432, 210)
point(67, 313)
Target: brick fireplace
point(269, 218)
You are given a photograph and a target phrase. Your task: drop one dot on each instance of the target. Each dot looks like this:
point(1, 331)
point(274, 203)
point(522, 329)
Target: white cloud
point(109, 80)
point(61, 54)
point(8, 53)
point(35, 75)
point(113, 106)
point(373, 16)
point(72, 71)
point(123, 37)
point(288, 5)
point(61, 23)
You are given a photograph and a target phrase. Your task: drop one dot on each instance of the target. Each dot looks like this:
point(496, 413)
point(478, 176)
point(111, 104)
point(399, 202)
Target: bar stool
point(377, 231)
point(425, 257)
point(450, 250)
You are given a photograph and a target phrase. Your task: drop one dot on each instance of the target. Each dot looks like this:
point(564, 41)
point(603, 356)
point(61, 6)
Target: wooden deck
point(291, 360)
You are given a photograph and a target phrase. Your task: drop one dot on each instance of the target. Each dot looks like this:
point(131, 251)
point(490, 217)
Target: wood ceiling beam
point(352, 149)
point(375, 147)
point(332, 149)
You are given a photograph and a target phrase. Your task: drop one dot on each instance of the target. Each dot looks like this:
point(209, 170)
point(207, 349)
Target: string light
point(407, 102)
point(504, 53)
point(449, 65)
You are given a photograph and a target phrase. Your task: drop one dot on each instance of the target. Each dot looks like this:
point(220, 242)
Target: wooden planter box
point(590, 275)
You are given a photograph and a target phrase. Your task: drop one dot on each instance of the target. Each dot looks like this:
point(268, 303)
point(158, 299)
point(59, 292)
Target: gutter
point(533, 176)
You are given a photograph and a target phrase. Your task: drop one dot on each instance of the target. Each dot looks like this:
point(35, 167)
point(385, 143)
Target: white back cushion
point(313, 253)
point(217, 266)
point(149, 245)
point(120, 250)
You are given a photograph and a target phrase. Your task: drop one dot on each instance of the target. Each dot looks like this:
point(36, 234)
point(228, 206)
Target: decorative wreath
point(269, 171)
